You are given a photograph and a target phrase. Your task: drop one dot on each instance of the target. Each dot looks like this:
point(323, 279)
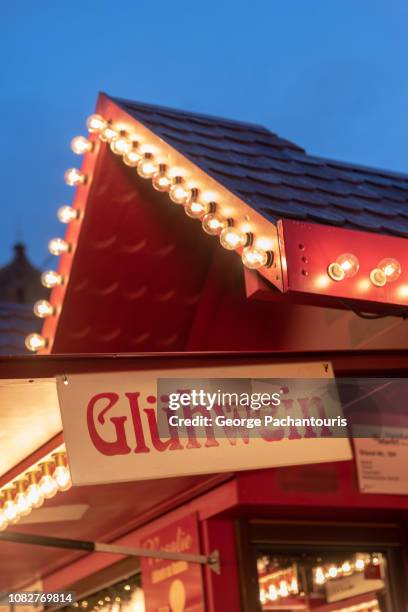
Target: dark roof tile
point(277, 177)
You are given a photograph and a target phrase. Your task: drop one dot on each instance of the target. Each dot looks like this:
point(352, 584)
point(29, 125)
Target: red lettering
point(119, 446)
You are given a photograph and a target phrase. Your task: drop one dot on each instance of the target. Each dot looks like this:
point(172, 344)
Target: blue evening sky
point(331, 75)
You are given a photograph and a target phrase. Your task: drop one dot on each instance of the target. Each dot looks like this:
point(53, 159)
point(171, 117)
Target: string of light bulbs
point(141, 157)
point(30, 489)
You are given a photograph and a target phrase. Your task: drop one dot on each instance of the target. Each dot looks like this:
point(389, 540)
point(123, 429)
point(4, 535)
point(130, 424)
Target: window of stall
point(313, 567)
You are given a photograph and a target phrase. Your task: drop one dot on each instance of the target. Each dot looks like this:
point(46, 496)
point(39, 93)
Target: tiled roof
point(278, 178)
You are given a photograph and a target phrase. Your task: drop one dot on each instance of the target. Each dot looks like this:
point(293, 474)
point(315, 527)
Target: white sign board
point(382, 464)
point(111, 427)
point(350, 586)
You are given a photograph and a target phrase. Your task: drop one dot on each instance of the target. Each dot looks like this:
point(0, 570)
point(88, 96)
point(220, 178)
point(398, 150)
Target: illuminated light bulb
point(127, 587)
point(121, 145)
point(262, 596)
point(61, 473)
point(254, 258)
point(3, 521)
point(132, 158)
point(333, 571)
point(9, 507)
point(391, 269)
point(21, 501)
point(273, 593)
point(196, 209)
point(43, 309)
point(34, 496)
point(81, 145)
point(319, 576)
point(346, 567)
point(283, 588)
point(161, 181)
point(178, 193)
point(35, 342)
point(378, 277)
point(231, 238)
point(51, 279)
point(213, 224)
point(96, 123)
point(147, 167)
point(376, 561)
point(58, 246)
point(48, 486)
point(74, 177)
point(66, 214)
point(345, 266)
point(294, 587)
point(107, 134)
point(359, 564)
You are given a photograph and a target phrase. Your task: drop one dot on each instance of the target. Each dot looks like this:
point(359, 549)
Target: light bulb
point(51, 279)
point(333, 571)
point(213, 224)
point(319, 576)
point(107, 134)
point(43, 309)
point(147, 167)
point(345, 266)
point(10, 511)
point(62, 478)
point(9, 507)
point(58, 246)
point(121, 145)
point(178, 193)
point(34, 496)
point(81, 145)
point(231, 238)
point(254, 258)
point(66, 214)
point(196, 209)
point(161, 181)
point(35, 342)
point(48, 486)
point(378, 277)
point(132, 158)
point(273, 593)
point(95, 123)
point(391, 268)
point(61, 473)
point(74, 177)
point(283, 588)
point(346, 567)
point(22, 505)
point(3, 521)
point(359, 564)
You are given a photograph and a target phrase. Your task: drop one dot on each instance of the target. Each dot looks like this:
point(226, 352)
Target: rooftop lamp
point(178, 193)
point(121, 145)
point(161, 181)
point(43, 309)
point(387, 271)
point(51, 279)
point(213, 224)
point(66, 214)
point(35, 342)
point(96, 123)
point(345, 266)
point(196, 209)
point(58, 246)
point(132, 158)
point(147, 167)
point(74, 177)
point(231, 238)
point(81, 145)
point(254, 257)
point(48, 485)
